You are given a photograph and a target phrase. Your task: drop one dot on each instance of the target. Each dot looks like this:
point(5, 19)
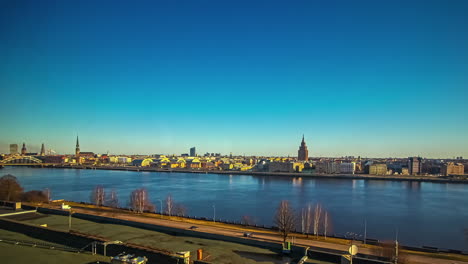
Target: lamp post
point(69, 219)
point(214, 213)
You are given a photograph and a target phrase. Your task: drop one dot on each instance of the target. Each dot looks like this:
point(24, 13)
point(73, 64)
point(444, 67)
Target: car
point(248, 234)
point(193, 227)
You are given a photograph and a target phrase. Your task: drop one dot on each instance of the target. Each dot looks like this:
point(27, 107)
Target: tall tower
point(77, 149)
point(23, 149)
point(303, 153)
point(42, 150)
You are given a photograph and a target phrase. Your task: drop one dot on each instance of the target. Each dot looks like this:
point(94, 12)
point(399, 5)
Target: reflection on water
point(424, 213)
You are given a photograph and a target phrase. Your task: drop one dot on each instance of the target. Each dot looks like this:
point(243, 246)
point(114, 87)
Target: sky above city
point(361, 78)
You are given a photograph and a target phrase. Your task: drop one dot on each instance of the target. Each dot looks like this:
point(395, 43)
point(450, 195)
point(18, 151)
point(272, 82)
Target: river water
point(420, 214)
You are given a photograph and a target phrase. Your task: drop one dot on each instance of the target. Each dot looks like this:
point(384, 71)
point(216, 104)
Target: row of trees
point(139, 201)
point(311, 219)
point(11, 190)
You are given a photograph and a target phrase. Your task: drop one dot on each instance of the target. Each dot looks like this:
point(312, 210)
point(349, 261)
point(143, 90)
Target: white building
point(347, 167)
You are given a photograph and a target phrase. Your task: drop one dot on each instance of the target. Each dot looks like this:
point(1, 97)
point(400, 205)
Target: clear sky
point(368, 78)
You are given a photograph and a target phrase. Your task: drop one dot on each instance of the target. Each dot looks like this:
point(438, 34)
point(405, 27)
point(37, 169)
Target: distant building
point(303, 153)
point(415, 165)
point(347, 167)
point(193, 152)
point(13, 149)
point(142, 162)
point(23, 149)
point(58, 159)
point(285, 166)
point(378, 169)
point(451, 168)
point(328, 167)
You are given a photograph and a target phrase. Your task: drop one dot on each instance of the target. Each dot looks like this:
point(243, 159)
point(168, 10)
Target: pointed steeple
point(42, 150)
point(303, 138)
point(77, 149)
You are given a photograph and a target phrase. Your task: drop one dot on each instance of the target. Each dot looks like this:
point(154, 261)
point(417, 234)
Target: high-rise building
point(193, 152)
point(13, 149)
point(23, 149)
point(303, 153)
point(414, 165)
point(77, 149)
point(42, 150)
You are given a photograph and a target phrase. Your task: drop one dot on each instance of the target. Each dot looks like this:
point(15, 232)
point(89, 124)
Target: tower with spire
point(303, 153)
point(77, 149)
point(23, 149)
point(42, 150)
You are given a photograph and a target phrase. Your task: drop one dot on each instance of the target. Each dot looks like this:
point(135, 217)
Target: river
point(419, 213)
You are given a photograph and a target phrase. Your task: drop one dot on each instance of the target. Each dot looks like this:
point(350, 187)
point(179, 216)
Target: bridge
point(19, 160)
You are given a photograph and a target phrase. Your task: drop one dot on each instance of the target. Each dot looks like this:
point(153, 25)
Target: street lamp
point(69, 219)
point(214, 213)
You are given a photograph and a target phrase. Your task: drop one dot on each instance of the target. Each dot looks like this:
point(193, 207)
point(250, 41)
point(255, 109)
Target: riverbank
point(265, 238)
point(434, 179)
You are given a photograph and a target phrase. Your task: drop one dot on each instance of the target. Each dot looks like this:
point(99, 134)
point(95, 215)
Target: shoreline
point(432, 179)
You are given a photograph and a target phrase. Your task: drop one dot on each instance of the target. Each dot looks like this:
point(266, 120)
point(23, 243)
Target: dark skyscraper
point(193, 152)
point(303, 153)
point(414, 165)
point(42, 150)
point(77, 149)
point(23, 149)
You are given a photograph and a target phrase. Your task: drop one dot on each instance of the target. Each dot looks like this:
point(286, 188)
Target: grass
point(26, 254)
point(219, 251)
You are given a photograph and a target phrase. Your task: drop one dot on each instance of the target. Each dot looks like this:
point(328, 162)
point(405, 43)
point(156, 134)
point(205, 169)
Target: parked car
point(248, 234)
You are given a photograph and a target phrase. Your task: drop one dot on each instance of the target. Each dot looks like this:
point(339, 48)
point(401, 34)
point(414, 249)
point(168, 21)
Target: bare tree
point(10, 189)
point(247, 220)
point(139, 201)
point(46, 192)
point(180, 209)
point(169, 202)
point(34, 196)
point(306, 219)
point(317, 218)
point(112, 199)
point(284, 219)
point(98, 196)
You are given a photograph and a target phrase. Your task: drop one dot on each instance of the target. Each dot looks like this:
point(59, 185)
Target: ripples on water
point(434, 214)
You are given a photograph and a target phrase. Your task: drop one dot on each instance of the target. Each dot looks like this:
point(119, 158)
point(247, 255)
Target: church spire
point(42, 150)
point(77, 149)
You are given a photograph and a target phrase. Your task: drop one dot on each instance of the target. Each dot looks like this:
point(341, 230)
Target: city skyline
point(33, 148)
point(358, 79)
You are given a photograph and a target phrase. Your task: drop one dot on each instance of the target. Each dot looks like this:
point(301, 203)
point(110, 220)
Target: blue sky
point(369, 78)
